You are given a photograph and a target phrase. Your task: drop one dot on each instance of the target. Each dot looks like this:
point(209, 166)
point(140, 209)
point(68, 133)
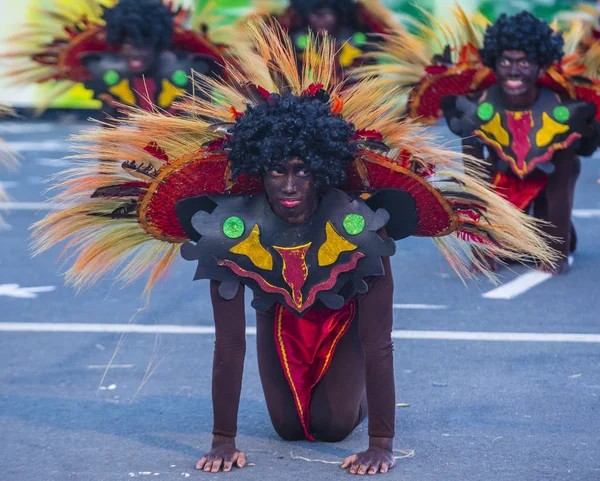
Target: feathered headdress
point(150, 161)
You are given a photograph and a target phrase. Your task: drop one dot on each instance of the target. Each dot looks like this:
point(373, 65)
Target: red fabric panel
point(306, 346)
point(519, 192)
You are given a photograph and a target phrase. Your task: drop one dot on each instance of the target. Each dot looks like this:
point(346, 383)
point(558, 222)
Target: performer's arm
point(591, 141)
point(228, 367)
point(375, 317)
point(473, 147)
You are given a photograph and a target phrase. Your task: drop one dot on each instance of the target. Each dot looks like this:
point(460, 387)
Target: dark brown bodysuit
point(361, 372)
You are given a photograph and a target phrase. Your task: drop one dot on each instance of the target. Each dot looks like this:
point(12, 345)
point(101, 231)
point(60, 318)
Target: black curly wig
point(289, 126)
point(524, 32)
point(343, 8)
point(143, 22)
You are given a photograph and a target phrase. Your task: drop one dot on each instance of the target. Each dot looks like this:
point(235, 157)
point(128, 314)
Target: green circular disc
point(485, 111)
point(354, 224)
point(302, 41)
point(233, 227)
point(359, 39)
point(111, 77)
point(561, 113)
point(180, 78)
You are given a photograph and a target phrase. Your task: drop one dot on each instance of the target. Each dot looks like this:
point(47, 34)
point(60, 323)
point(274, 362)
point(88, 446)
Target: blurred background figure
point(354, 25)
point(132, 52)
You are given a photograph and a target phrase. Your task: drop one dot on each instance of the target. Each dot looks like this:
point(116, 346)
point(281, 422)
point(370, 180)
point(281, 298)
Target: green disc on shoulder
point(561, 113)
point(302, 42)
point(354, 224)
point(111, 78)
point(359, 38)
point(180, 78)
point(485, 111)
point(233, 227)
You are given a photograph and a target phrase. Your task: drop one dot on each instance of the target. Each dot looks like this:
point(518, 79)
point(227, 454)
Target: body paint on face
point(291, 190)
point(139, 59)
point(517, 76)
point(323, 19)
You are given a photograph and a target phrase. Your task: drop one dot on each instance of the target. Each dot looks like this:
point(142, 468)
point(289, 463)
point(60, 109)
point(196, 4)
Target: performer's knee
point(289, 429)
point(329, 430)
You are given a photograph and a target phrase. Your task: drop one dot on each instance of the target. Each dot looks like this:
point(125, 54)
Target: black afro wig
point(288, 126)
point(343, 8)
point(522, 32)
point(143, 22)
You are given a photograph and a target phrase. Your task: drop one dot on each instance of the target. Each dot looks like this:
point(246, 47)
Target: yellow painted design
point(495, 128)
point(348, 55)
point(169, 94)
point(518, 115)
point(550, 129)
point(253, 249)
point(333, 246)
point(123, 92)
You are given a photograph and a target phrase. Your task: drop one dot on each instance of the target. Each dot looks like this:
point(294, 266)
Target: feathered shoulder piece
point(123, 207)
point(435, 59)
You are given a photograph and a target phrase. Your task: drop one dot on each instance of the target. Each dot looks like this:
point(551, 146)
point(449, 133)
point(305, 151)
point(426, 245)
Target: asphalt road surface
point(493, 383)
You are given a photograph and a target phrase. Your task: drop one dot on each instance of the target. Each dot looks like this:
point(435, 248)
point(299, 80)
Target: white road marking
point(420, 306)
point(30, 206)
point(25, 128)
point(15, 290)
point(56, 163)
point(586, 213)
point(111, 366)
point(39, 146)
point(251, 331)
point(8, 184)
point(520, 285)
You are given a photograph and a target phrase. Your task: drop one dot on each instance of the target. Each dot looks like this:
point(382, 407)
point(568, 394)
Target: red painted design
point(306, 346)
point(295, 270)
point(519, 125)
point(312, 293)
point(145, 91)
point(547, 156)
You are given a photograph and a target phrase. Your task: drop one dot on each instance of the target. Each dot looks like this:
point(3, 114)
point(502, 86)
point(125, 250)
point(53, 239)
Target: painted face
point(139, 59)
point(517, 73)
point(291, 191)
point(323, 19)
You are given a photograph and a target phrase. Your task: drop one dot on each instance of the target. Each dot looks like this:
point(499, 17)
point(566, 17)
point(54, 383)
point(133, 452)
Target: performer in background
point(355, 25)
point(296, 188)
point(135, 52)
point(515, 100)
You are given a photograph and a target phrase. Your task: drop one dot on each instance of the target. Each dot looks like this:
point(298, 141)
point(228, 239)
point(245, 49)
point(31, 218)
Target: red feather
point(156, 151)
